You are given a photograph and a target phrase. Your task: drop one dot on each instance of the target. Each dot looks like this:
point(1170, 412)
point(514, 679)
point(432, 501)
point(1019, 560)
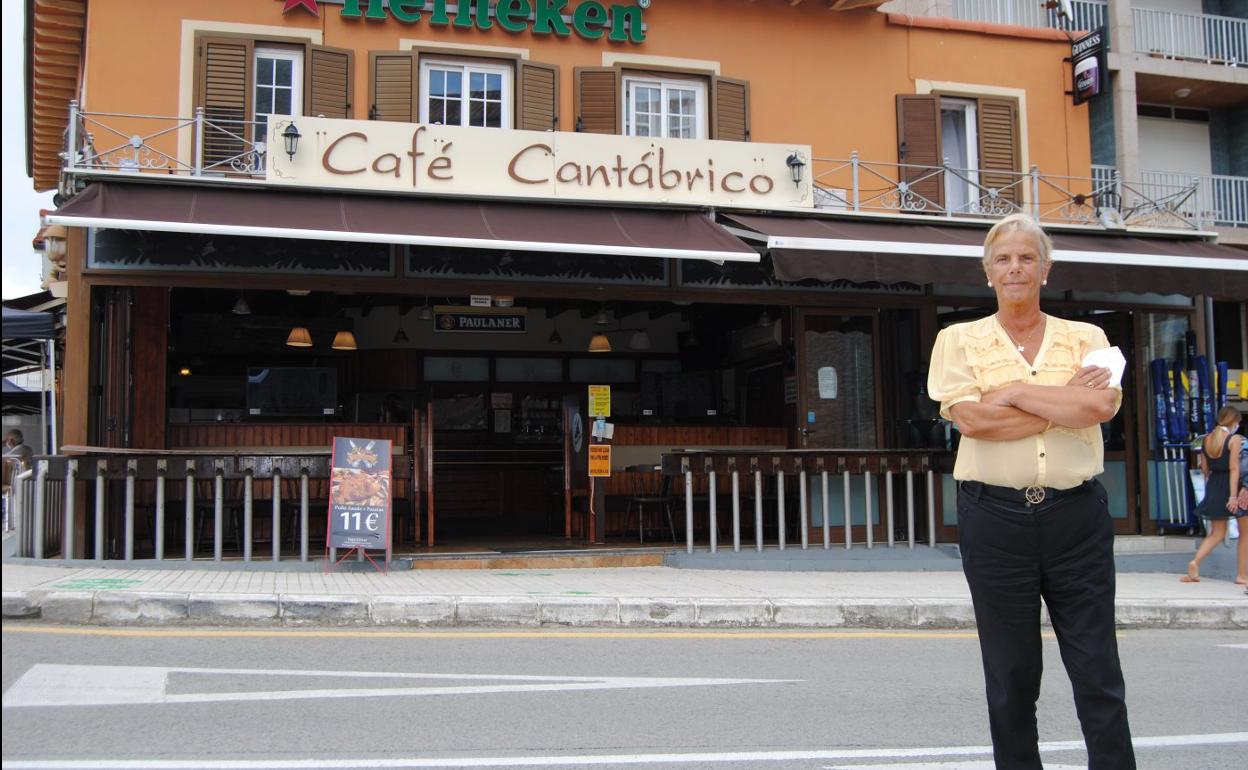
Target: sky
point(20, 211)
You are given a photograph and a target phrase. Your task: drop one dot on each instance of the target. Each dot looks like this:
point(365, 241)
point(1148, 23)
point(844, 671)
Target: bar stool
point(647, 488)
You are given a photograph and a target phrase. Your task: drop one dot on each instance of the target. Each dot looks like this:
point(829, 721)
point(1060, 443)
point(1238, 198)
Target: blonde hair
point(1019, 223)
point(1228, 416)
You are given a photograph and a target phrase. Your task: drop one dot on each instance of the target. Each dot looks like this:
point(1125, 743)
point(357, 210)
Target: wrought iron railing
point(1088, 14)
point(893, 484)
point(1203, 200)
point(1200, 37)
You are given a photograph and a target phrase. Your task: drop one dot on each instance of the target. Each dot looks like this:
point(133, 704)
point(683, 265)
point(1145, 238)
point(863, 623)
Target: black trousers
point(1015, 553)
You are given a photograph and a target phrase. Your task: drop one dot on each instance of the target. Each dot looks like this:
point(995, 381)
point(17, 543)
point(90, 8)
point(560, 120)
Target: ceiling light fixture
point(344, 340)
point(1182, 93)
point(599, 343)
point(603, 318)
point(241, 307)
point(555, 338)
point(299, 337)
point(640, 340)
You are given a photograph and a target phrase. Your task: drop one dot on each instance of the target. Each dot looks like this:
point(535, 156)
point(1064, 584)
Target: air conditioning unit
point(756, 340)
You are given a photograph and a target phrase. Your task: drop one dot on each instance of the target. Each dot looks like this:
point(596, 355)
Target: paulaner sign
point(440, 160)
point(619, 22)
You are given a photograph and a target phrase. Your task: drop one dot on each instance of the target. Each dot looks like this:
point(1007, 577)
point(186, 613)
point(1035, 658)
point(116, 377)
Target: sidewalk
point(604, 597)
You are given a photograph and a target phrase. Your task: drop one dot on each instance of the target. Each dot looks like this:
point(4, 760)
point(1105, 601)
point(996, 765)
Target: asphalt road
point(216, 698)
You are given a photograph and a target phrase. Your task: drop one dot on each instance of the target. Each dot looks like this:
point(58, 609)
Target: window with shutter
point(392, 86)
point(224, 85)
point(537, 96)
point(731, 113)
point(329, 87)
point(919, 150)
point(465, 94)
point(998, 147)
point(278, 88)
point(597, 97)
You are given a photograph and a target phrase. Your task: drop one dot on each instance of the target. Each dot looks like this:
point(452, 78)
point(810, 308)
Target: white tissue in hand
point(1110, 358)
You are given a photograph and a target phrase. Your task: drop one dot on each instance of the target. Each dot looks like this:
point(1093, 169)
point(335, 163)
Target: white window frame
point(292, 55)
point(701, 122)
point(466, 69)
point(970, 114)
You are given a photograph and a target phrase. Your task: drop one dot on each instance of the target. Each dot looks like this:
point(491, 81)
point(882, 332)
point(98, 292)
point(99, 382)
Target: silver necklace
point(1018, 345)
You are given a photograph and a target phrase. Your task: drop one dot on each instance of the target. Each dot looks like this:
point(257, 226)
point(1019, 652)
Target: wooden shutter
point(597, 96)
point(393, 78)
point(223, 86)
point(730, 109)
point(537, 96)
point(998, 147)
point(328, 82)
point(918, 144)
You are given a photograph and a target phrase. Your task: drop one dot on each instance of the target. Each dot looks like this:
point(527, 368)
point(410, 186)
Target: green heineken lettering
point(550, 18)
point(588, 20)
point(626, 24)
point(513, 15)
point(407, 11)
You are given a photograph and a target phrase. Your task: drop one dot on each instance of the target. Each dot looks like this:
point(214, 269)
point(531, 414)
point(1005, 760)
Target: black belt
point(1028, 496)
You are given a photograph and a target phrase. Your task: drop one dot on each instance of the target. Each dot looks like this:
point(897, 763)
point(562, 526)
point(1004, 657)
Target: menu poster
point(359, 494)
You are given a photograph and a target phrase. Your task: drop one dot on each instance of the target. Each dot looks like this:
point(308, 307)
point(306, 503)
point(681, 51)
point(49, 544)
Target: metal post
point(780, 505)
point(52, 400)
point(688, 510)
point(867, 518)
point(41, 482)
point(303, 514)
point(803, 513)
point(197, 139)
point(189, 531)
point(248, 510)
point(758, 510)
point(888, 505)
point(67, 543)
point(853, 164)
point(1035, 192)
point(849, 535)
point(713, 522)
point(158, 547)
point(931, 508)
point(101, 474)
point(131, 470)
point(277, 517)
point(910, 506)
point(736, 510)
point(71, 137)
point(218, 511)
point(827, 526)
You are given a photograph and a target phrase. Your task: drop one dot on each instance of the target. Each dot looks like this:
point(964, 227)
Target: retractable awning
point(832, 249)
point(416, 221)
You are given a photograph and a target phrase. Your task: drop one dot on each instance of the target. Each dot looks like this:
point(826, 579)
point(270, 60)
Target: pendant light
point(426, 312)
point(299, 337)
point(241, 307)
point(599, 343)
point(344, 340)
point(640, 340)
point(555, 338)
point(400, 336)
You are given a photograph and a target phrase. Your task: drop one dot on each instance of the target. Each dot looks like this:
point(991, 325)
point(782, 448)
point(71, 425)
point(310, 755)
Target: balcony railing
point(1204, 200)
point(1203, 37)
point(1088, 14)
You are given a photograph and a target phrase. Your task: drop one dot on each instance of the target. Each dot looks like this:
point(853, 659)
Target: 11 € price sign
point(359, 494)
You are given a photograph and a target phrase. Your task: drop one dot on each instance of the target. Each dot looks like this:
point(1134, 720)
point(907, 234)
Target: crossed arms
point(1020, 409)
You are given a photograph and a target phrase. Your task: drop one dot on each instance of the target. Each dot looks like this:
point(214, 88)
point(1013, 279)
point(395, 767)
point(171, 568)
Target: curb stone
point(413, 610)
point(579, 611)
point(657, 612)
point(736, 613)
point(234, 608)
point(942, 613)
point(807, 613)
point(879, 613)
point(496, 610)
point(66, 606)
point(299, 609)
point(18, 605)
point(139, 607)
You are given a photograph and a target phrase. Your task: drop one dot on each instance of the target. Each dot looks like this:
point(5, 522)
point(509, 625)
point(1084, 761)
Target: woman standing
point(1033, 521)
point(1220, 465)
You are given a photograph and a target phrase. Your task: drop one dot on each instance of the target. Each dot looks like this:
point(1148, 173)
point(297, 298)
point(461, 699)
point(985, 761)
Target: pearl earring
point(990, 284)
point(1044, 283)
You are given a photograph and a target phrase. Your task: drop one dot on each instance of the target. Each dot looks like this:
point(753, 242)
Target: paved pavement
point(601, 597)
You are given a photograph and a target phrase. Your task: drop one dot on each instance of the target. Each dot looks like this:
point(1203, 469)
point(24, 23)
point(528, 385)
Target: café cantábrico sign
point(451, 160)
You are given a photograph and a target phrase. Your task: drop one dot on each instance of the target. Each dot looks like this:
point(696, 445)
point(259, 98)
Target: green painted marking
point(98, 583)
point(579, 593)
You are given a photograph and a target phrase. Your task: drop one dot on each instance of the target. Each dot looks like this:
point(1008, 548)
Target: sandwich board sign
point(359, 497)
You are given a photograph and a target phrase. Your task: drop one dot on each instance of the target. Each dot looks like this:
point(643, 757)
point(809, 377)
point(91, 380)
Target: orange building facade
point(767, 209)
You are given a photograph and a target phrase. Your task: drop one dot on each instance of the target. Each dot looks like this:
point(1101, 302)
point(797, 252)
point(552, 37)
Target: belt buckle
point(1034, 495)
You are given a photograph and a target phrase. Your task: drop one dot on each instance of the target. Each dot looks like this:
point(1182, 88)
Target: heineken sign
point(589, 19)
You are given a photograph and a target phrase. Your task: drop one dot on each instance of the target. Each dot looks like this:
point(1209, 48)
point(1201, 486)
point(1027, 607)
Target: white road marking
point(1235, 646)
point(558, 760)
point(78, 685)
point(976, 765)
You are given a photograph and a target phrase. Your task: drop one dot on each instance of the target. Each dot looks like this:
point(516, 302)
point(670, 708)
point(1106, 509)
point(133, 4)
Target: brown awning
point(470, 224)
point(837, 249)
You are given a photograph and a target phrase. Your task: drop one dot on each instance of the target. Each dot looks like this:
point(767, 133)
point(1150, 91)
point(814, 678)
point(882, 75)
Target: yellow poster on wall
point(599, 460)
point(599, 400)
